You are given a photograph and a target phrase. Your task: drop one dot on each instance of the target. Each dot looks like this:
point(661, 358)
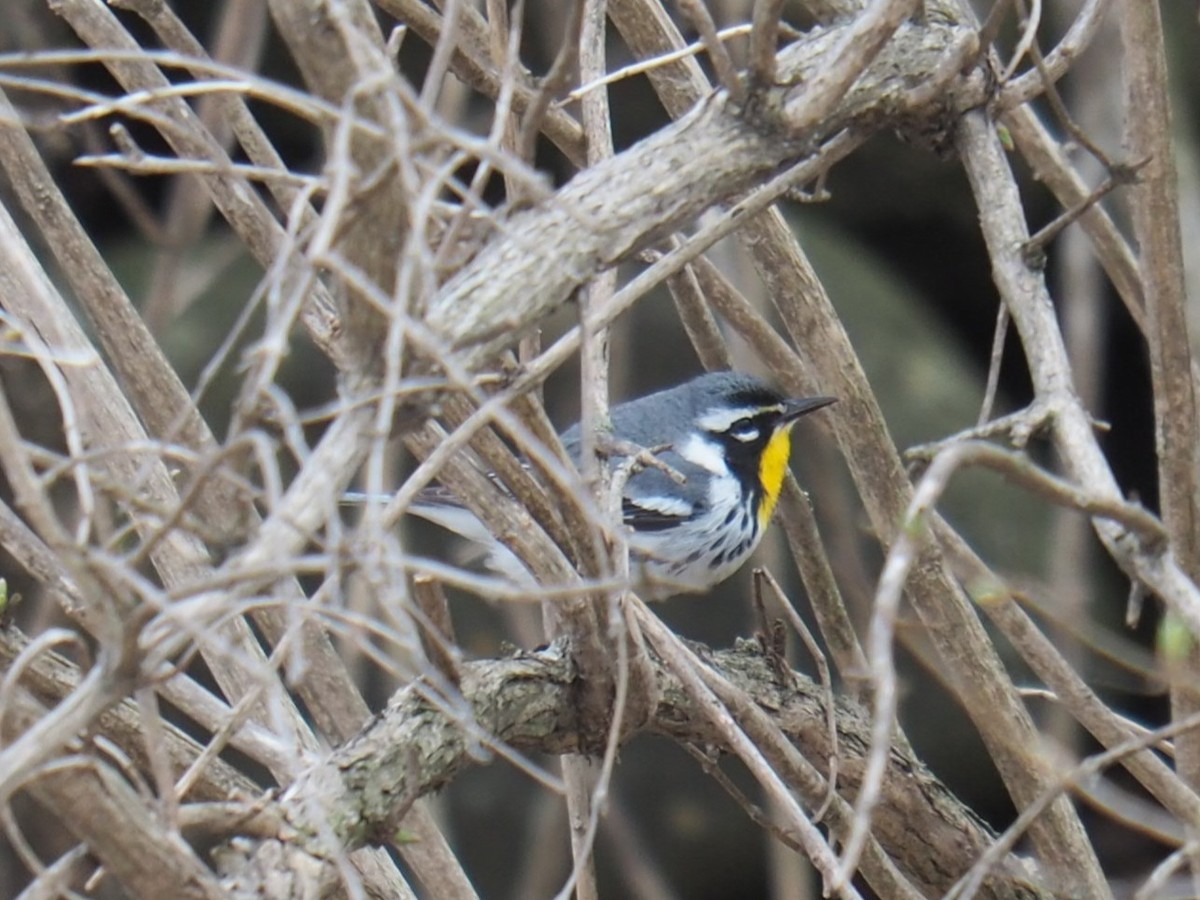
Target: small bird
point(728, 435)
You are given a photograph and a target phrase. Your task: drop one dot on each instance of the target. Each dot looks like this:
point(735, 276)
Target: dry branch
point(527, 702)
point(619, 206)
point(90, 797)
point(821, 95)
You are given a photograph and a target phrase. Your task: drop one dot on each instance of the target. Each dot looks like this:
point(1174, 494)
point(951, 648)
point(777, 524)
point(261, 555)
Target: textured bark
point(718, 150)
point(528, 702)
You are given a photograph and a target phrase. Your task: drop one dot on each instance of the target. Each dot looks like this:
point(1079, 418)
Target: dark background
point(898, 248)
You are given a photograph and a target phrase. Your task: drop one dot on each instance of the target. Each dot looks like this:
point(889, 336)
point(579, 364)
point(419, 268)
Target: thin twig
point(586, 783)
point(688, 290)
point(993, 376)
point(438, 638)
point(692, 673)
point(763, 576)
point(763, 38)
point(886, 606)
point(649, 65)
point(752, 810)
point(1078, 37)
point(553, 84)
point(1093, 765)
point(1028, 40)
point(697, 13)
point(447, 44)
point(1119, 176)
point(992, 24)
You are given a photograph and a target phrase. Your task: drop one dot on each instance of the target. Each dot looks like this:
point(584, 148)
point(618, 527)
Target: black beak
point(794, 409)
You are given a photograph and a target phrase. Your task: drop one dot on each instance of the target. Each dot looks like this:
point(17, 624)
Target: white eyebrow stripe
point(719, 420)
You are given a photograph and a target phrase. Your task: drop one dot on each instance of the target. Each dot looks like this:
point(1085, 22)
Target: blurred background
point(897, 246)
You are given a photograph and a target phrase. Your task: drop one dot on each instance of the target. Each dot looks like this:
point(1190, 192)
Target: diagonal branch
point(622, 205)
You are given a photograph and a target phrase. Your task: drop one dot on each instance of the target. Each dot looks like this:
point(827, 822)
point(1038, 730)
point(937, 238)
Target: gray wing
point(654, 501)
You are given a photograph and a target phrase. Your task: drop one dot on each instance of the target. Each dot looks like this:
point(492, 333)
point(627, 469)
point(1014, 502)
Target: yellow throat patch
point(771, 469)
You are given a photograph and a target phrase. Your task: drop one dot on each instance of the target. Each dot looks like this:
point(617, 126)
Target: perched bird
point(728, 435)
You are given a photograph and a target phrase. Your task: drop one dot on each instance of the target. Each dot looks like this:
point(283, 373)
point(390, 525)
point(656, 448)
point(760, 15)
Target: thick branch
point(710, 155)
point(528, 702)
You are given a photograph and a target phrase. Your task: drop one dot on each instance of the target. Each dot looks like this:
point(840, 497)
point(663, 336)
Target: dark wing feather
point(641, 515)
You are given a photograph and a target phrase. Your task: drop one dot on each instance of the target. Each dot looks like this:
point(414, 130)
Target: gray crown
point(668, 416)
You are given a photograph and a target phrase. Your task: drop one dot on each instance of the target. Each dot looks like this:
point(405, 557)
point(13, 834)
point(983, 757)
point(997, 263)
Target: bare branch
point(417, 253)
point(697, 13)
point(763, 39)
point(104, 811)
point(1058, 63)
point(613, 209)
point(526, 701)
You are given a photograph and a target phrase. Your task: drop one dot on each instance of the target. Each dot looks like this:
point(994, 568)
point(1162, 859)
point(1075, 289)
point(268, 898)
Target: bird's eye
point(744, 430)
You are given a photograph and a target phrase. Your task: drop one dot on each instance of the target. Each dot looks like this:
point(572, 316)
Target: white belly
point(689, 558)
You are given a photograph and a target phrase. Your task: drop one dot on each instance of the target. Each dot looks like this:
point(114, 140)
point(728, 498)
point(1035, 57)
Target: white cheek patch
point(704, 454)
point(724, 494)
point(718, 420)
